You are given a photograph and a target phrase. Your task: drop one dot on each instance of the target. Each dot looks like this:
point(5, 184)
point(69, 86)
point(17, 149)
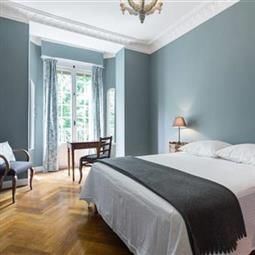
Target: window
point(111, 113)
point(74, 101)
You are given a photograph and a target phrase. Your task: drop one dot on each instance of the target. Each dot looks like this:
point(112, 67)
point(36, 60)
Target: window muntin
point(64, 102)
point(74, 101)
point(83, 103)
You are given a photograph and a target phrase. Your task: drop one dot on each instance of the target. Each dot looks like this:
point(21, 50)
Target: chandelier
point(140, 8)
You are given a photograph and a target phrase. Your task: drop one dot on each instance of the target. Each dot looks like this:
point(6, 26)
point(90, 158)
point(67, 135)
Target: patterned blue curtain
point(97, 101)
point(50, 162)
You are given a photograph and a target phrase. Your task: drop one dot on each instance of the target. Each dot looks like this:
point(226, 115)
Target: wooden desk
point(72, 146)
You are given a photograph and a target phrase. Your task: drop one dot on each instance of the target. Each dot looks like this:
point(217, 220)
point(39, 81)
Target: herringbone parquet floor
point(52, 220)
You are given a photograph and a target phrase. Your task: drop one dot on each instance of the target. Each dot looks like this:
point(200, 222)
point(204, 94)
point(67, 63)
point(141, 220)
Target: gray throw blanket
point(211, 212)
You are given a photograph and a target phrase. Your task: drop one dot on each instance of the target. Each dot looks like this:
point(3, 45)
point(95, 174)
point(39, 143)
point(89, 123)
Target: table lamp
point(179, 122)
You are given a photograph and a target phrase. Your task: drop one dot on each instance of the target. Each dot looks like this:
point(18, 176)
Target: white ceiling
point(100, 25)
point(106, 14)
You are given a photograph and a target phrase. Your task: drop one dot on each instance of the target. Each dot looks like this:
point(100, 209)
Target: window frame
point(108, 113)
point(74, 71)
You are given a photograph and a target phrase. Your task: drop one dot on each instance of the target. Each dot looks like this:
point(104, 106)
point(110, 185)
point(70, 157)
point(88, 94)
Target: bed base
point(96, 212)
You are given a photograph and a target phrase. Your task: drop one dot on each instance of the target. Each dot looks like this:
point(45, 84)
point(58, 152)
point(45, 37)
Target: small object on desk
point(175, 146)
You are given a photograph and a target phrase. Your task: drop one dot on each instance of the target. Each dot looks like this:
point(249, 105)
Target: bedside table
point(175, 146)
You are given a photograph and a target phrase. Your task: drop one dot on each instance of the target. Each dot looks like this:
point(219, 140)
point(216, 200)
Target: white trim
point(109, 55)
point(18, 11)
point(9, 12)
point(74, 71)
point(108, 112)
point(35, 40)
point(73, 99)
point(69, 62)
point(201, 14)
point(38, 169)
point(31, 116)
point(20, 182)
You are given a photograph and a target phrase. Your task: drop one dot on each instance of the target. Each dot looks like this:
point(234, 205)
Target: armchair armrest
point(7, 164)
point(23, 152)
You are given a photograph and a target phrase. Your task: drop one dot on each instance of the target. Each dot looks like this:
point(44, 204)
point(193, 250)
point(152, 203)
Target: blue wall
point(72, 53)
point(207, 76)
point(14, 52)
point(132, 103)
point(109, 73)
point(36, 75)
point(137, 113)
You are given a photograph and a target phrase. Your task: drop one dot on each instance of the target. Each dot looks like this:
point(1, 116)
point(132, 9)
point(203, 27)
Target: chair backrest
point(105, 147)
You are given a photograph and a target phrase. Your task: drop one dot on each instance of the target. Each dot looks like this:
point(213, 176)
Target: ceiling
point(106, 14)
point(100, 25)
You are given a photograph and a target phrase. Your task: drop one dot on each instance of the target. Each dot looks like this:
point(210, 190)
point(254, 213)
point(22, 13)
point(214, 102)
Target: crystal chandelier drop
point(139, 7)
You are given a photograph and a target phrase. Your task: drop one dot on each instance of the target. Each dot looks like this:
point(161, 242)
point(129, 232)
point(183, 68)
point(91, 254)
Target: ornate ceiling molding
point(204, 12)
point(26, 14)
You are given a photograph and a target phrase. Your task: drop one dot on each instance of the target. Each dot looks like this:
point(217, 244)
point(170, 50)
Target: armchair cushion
point(92, 158)
point(16, 167)
point(6, 151)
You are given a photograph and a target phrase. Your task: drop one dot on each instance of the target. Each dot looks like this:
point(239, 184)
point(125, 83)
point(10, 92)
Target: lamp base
point(175, 146)
point(179, 135)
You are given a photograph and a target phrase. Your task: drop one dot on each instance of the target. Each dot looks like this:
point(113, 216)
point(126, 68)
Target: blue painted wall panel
point(207, 76)
point(137, 87)
point(72, 53)
point(14, 52)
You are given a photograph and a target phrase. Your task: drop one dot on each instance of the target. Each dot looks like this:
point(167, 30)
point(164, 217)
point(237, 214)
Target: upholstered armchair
point(13, 168)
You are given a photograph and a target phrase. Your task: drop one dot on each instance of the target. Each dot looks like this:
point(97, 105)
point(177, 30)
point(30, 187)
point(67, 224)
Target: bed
point(148, 224)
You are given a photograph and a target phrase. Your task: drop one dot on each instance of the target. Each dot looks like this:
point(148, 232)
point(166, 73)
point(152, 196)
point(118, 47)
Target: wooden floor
point(52, 220)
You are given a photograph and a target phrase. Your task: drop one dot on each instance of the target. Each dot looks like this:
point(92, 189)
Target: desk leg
point(73, 164)
point(68, 160)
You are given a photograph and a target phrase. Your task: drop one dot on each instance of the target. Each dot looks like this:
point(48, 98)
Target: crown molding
point(36, 40)
point(19, 12)
point(204, 12)
point(109, 55)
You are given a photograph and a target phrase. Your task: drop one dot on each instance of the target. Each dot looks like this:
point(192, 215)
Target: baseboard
point(20, 182)
point(38, 169)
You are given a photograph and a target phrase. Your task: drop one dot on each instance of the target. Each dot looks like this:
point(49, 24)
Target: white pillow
point(6, 150)
point(240, 153)
point(206, 148)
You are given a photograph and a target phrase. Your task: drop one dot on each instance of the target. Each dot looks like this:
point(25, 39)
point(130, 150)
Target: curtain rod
point(71, 61)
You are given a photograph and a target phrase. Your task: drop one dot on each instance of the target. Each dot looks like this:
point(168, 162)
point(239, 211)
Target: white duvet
point(148, 224)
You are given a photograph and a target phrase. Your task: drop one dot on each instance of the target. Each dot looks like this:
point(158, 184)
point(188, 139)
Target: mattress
point(148, 224)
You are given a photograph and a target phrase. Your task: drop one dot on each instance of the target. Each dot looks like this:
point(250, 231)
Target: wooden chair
point(14, 168)
point(103, 151)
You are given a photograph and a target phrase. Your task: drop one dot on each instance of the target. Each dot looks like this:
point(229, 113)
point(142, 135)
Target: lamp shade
point(179, 122)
